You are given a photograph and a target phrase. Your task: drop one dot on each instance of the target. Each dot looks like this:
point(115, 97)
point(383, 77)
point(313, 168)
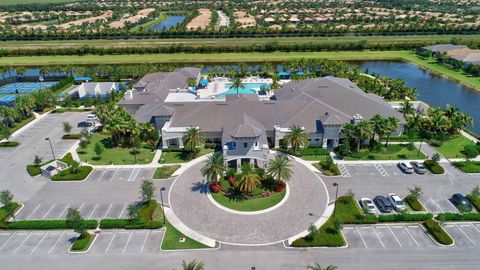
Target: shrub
point(404, 217)
point(113, 223)
point(470, 151)
point(314, 151)
point(326, 236)
point(68, 175)
point(45, 225)
point(433, 167)
point(82, 242)
point(128, 224)
point(458, 217)
point(434, 228)
point(231, 180)
point(436, 143)
point(72, 136)
point(9, 144)
point(414, 203)
point(214, 187)
point(475, 201)
point(468, 166)
point(33, 170)
point(279, 186)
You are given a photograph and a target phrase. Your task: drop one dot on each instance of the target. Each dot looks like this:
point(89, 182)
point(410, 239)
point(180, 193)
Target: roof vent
point(327, 113)
point(293, 89)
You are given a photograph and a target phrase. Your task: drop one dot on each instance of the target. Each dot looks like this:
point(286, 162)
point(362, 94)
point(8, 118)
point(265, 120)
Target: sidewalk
point(470, 137)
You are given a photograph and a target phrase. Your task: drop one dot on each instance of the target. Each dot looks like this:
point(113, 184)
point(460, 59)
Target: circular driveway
point(306, 204)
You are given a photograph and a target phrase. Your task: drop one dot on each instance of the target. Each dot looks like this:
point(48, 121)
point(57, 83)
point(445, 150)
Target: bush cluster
point(68, 175)
point(433, 167)
point(475, 201)
point(82, 242)
point(438, 232)
point(72, 136)
point(44, 225)
point(215, 187)
point(129, 224)
point(9, 144)
point(404, 217)
point(458, 217)
point(468, 166)
point(33, 170)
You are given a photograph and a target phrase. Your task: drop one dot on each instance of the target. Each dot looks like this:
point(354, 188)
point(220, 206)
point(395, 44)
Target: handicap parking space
point(388, 236)
point(127, 242)
point(466, 235)
point(438, 204)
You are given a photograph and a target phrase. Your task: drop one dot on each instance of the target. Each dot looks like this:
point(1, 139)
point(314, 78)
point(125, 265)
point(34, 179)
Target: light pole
point(51, 148)
point(163, 207)
point(336, 196)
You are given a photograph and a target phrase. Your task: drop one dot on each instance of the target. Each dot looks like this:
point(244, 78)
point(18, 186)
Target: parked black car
point(461, 202)
point(84, 124)
point(383, 204)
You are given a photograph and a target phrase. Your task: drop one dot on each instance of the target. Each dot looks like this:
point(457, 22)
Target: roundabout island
point(260, 218)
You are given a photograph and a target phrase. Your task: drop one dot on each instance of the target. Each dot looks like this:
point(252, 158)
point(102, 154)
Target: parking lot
point(129, 175)
point(88, 210)
point(388, 236)
point(59, 242)
point(466, 235)
point(377, 169)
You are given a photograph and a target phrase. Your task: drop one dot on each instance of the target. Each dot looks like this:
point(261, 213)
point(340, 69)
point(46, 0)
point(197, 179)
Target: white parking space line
point(56, 242)
point(113, 176)
point(108, 210)
point(81, 206)
point(95, 207)
point(111, 241)
point(394, 236)
point(128, 241)
point(48, 212)
point(61, 214)
point(33, 212)
point(361, 237)
point(26, 238)
point(375, 231)
point(123, 210)
point(381, 170)
point(144, 241)
point(101, 176)
point(418, 245)
point(4, 244)
point(39, 242)
point(451, 205)
point(133, 175)
point(470, 239)
point(343, 170)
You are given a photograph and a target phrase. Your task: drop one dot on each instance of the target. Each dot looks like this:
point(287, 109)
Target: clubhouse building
point(247, 125)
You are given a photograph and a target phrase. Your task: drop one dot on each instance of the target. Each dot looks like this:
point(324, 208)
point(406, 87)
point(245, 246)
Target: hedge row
point(438, 232)
point(33, 170)
point(468, 166)
point(475, 201)
point(44, 225)
point(458, 217)
point(404, 217)
point(9, 144)
point(72, 136)
point(434, 167)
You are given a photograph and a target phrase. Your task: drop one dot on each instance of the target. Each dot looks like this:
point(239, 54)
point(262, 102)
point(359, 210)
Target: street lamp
point(336, 196)
point(161, 199)
point(51, 147)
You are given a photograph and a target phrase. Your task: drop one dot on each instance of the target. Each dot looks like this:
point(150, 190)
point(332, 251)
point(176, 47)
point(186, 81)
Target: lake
point(168, 23)
point(434, 90)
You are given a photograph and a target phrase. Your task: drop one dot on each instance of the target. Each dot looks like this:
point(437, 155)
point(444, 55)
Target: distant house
point(93, 89)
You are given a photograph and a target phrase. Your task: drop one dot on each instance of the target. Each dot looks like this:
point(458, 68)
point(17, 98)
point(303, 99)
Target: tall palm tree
point(248, 180)
point(297, 138)
point(194, 140)
point(317, 266)
point(392, 125)
point(193, 265)
point(362, 131)
point(213, 168)
point(279, 169)
point(379, 126)
point(407, 108)
point(236, 84)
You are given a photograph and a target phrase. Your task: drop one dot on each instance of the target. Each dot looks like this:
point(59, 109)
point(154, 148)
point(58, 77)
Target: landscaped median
point(9, 144)
point(173, 239)
point(468, 166)
point(73, 173)
point(83, 242)
point(433, 167)
point(414, 203)
point(165, 171)
point(437, 231)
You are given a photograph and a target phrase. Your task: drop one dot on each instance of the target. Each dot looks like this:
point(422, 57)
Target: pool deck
point(217, 86)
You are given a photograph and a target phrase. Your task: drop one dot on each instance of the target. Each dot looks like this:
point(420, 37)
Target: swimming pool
point(247, 89)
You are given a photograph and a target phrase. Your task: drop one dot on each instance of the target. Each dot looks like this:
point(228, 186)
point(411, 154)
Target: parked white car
point(398, 203)
point(368, 204)
point(406, 167)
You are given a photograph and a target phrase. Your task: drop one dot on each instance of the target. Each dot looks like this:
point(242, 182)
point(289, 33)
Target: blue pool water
point(248, 89)
point(168, 23)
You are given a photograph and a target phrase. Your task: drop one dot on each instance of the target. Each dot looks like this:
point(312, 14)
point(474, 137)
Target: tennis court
point(7, 100)
point(25, 87)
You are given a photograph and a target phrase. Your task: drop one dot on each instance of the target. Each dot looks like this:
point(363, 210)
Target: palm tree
point(362, 131)
point(236, 84)
point(213, 168)
point(249, 179)
point(392, 125)
point(407, 108)
point(379, 126)
point(194, 140)
point(317, 266)
point(279, 169)
point(297, 138)
point(193, 265)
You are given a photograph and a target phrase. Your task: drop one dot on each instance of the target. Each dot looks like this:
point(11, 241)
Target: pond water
point(168, 23)
point(432, 89)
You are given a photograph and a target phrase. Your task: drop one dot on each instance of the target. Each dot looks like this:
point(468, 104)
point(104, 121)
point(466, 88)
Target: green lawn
point(256, 204)
point(19, 125)
point(115, 155)
point(180, 156)
point(452, 148)
point(393, 152)
point(149, 24)
point(165, 171)
point(171, 240)
point(468, 166)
